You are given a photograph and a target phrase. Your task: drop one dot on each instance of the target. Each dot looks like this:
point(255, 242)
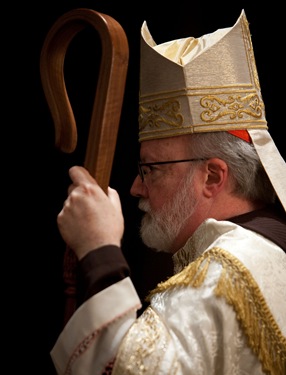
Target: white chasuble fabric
point(216, 315)
point(222, 313)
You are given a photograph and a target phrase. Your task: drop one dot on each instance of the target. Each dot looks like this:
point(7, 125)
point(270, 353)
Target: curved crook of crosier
point(109, 94)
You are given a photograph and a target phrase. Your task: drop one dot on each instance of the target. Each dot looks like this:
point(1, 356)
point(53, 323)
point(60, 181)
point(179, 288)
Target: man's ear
point(217, 176)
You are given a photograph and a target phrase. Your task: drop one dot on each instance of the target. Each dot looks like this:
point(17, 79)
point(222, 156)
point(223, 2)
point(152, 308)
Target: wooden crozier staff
point(106, 111)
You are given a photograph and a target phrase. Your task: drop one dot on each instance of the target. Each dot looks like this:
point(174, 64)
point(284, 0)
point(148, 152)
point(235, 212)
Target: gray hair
point(246, 171)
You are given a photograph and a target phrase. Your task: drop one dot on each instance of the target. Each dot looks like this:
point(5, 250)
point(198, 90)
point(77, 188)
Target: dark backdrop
point(36, 180)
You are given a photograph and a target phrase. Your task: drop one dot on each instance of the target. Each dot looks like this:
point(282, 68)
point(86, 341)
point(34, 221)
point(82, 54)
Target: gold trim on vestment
point(238, 287)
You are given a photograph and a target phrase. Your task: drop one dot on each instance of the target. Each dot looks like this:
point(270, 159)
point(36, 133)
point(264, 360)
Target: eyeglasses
point(143, 171)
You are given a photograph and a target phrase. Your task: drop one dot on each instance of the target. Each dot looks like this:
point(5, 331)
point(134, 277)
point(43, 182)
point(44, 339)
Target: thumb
point(79, 175)
point(114, 198)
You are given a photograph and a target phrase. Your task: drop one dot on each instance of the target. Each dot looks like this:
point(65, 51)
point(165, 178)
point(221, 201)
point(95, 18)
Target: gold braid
point(241, 291)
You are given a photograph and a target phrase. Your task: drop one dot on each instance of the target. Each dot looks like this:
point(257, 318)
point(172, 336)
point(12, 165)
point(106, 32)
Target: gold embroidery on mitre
point(167, 112)
point(233, 107)
point(144, 347)
point(240, 290)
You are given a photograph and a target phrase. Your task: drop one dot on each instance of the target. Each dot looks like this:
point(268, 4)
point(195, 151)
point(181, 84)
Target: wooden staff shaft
point(107, 106)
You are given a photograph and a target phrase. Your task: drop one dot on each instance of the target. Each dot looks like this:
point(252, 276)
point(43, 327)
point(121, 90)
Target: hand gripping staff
point(106, 111)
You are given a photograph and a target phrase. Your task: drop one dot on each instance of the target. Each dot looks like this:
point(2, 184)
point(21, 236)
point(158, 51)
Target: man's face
point(167, 193)
point(160, 228)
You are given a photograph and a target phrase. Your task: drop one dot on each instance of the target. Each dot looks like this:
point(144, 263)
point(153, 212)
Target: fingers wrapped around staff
point(88, 214)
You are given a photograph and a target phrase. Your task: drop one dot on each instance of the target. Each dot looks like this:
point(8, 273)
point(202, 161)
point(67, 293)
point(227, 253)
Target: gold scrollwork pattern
point(234, 107)
point(167, 113)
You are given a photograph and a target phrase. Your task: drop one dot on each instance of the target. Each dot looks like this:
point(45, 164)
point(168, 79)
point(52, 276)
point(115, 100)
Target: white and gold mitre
point(206, 84)
point(199, 85)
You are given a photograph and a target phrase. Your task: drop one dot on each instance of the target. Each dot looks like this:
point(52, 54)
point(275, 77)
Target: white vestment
point(223, 312)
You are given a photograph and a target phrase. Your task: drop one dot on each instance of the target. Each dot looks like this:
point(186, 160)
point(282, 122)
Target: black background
point(34, 177)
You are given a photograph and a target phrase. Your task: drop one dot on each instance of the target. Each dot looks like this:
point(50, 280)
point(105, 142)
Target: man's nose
point(138, 188)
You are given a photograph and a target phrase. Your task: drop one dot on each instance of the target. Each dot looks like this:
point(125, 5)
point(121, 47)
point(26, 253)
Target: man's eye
point(146, 169)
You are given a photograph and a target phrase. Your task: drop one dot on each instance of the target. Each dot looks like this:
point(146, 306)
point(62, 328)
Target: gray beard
point(159, 229)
